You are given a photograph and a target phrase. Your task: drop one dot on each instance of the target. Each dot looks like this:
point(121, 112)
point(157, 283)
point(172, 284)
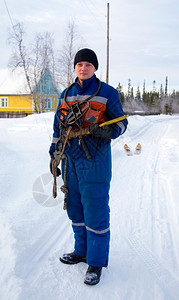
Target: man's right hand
point(58, 171)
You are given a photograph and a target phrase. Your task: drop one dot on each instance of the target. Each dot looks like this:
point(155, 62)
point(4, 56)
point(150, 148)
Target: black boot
point(72, 258)
point(93, 275)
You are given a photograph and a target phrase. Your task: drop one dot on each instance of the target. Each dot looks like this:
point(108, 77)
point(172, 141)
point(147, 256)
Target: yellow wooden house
point(16, 99)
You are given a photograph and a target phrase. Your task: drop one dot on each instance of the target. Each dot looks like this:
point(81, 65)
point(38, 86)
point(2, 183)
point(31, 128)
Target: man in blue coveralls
point(88, 178)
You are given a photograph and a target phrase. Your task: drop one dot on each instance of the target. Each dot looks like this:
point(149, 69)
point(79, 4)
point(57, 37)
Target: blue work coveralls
point(88, 180)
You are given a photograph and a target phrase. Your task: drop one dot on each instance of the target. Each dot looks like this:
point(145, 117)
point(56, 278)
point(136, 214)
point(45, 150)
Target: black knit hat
point(86, 55)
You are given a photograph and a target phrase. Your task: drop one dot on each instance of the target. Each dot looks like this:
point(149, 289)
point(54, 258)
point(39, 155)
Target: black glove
point(58, 170)
point(104, 132)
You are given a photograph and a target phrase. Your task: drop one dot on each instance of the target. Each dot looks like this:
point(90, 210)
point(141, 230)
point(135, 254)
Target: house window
point(4, 102)
point(48, 102)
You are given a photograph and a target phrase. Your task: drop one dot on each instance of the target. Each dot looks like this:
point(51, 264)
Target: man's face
point(84, 70)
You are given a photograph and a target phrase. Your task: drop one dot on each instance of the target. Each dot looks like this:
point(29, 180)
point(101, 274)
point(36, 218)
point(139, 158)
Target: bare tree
point(35, 60)
point(43, 60)
point(71, 43)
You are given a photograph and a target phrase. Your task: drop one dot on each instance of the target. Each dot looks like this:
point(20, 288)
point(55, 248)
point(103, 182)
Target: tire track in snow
point(165, 278)
point(162, 236)
point(161, 216)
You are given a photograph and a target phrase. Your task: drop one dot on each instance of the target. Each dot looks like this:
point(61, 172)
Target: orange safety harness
point(81, 114)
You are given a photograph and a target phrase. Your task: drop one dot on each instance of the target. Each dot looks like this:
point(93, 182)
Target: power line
point(9, 14)
point(92, 13)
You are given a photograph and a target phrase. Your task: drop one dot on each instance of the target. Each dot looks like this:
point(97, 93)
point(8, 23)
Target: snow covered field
point(144, 253)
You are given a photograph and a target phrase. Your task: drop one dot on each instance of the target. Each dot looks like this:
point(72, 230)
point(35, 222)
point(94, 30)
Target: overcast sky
point(144, 34)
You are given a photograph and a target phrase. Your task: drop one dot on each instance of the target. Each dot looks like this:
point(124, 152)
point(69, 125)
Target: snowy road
point(144, 200)
point(148, 217)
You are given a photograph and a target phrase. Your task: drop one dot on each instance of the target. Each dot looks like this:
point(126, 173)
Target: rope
point(63, 187)
point(56, 162)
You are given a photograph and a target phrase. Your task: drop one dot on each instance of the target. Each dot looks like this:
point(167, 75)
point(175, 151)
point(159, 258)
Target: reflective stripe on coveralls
point(90, 229)
point(55, 140)
point(82, 98)
point(121, 125)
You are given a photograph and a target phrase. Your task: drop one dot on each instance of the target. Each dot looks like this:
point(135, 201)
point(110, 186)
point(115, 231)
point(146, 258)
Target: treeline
point(149, 102)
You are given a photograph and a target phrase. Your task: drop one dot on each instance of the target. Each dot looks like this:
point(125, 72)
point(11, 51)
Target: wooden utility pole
point(107, 63)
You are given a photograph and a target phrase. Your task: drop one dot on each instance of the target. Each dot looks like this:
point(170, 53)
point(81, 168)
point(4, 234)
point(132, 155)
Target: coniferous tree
point(121, 93)
point(173, 94)
point(129, 89)
point(144, 96)
point(144, 87)
point(154, 87)
point(138, 97)
point(161, 91)
point(166, 86)
point(132, 93)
